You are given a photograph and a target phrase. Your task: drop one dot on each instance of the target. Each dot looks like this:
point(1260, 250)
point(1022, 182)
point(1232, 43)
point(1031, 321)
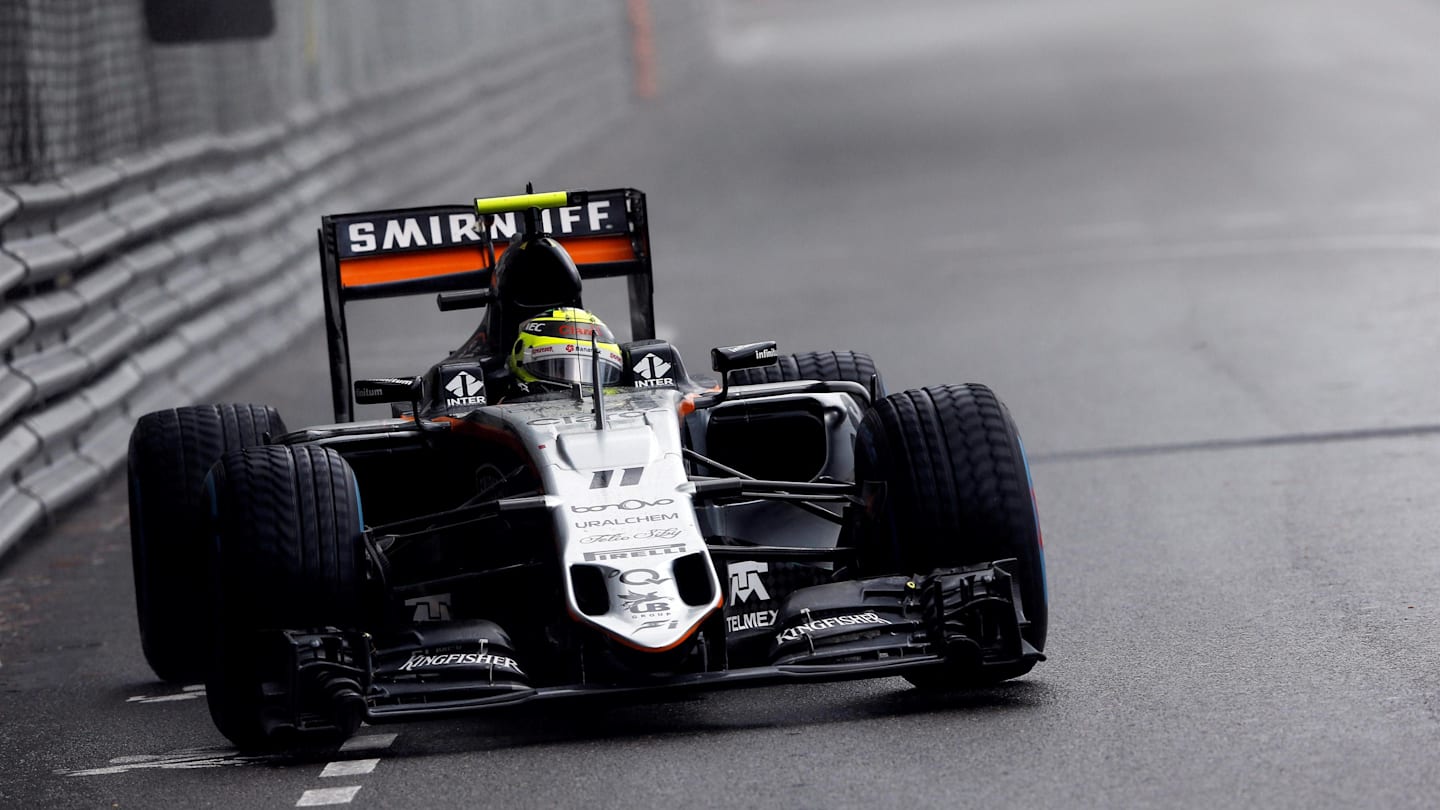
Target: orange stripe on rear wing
point(369, 270)
point(438, 262)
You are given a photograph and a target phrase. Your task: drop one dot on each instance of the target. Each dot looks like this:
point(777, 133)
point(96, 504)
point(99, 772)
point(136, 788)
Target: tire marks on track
point(180, 759)
point(337, 766)
point(191, 692)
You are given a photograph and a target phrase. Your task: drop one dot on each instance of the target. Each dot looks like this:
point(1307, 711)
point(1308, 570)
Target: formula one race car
point(551, 513)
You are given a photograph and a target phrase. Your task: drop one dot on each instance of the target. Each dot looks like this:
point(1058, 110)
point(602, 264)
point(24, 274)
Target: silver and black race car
point(489, 544)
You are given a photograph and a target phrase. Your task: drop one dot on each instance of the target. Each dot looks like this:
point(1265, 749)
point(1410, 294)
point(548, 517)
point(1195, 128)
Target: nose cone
point(539, 274)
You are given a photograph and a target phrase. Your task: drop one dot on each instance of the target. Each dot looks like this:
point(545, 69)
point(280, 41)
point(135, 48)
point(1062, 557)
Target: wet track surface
point(1194, 245)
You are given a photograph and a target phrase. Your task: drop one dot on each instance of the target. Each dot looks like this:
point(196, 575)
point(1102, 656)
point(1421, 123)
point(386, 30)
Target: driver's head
point(555, 347)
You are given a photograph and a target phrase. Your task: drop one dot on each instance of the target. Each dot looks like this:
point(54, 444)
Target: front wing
point(968, 620)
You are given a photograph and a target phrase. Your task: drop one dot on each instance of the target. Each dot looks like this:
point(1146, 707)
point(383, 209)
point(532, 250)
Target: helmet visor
point(570, 363)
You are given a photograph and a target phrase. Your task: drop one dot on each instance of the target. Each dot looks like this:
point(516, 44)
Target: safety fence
point(157, 232)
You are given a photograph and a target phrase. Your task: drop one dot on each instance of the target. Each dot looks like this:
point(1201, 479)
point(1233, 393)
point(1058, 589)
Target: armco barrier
point(153, 280)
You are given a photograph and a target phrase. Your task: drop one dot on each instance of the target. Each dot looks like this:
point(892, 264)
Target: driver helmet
point(555, 347)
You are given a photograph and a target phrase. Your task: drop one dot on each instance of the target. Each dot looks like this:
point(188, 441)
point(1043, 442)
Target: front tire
point(170, 454)
point(957, 491)
point(288, 554)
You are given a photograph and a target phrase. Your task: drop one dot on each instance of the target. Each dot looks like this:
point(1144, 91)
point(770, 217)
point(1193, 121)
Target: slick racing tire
point(288, 554)
point(170, 454)
point(827, 366)
point(956, 492)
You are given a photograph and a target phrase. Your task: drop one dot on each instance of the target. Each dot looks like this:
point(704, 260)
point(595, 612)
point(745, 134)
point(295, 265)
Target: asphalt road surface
point(1194, 245)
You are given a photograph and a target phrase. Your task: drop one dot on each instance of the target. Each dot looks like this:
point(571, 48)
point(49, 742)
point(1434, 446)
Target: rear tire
point(957, 492)
point(170, 454)
point(854, 367)
point(287, 554)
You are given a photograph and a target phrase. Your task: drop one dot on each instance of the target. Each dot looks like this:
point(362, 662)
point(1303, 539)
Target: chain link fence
point(158, 202)
point(81, 85)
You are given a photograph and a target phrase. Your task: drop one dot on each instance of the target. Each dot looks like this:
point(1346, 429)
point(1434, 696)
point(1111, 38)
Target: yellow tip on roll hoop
point(519, 202)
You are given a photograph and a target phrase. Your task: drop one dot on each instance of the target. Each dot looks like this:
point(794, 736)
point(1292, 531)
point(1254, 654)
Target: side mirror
point(389, 389)
point(726, 359)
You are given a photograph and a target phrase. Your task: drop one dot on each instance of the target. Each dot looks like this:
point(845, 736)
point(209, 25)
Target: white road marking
point(368, 742)
point(322, 796)
point(349, 767)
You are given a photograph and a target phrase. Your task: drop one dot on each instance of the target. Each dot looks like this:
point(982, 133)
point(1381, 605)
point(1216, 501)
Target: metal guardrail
point(152, 281)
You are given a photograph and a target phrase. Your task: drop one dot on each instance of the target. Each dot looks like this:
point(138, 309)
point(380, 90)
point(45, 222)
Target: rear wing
point(435, 249)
